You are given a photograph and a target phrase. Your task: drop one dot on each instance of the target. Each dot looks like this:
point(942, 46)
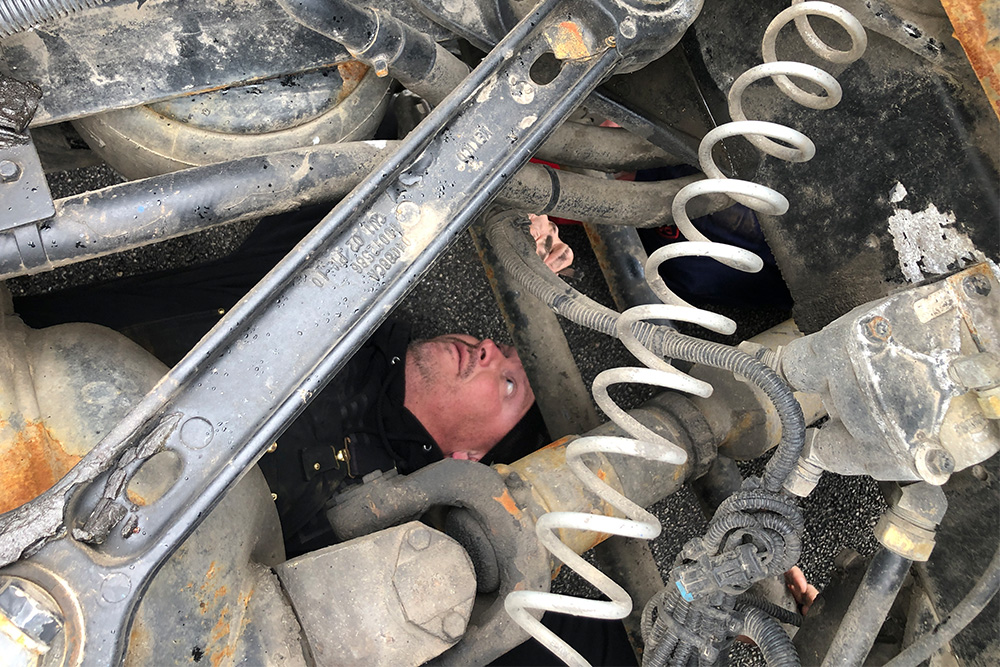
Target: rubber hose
point(779, 613)
point(646, 624)
point(675, 610)
point(966, 610)
point(720, 527)
point(773, 642)
point(520, 259)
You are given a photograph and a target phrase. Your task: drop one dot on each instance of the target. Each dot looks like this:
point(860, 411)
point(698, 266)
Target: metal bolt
point(976, 286)
point(274, 446)
point(940, 462)
point(878, 329)
point(316, 466)
point(9, 171)
point(452, 6)
point(453, 624)
point(627, 28)
point(934, 464)
point(420, 539)
point(30, 610)
point(381, 67)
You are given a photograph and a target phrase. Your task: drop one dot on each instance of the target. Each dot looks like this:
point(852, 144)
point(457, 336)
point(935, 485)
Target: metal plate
point(124, 54)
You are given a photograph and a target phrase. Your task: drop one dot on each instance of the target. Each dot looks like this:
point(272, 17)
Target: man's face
point(467, 393)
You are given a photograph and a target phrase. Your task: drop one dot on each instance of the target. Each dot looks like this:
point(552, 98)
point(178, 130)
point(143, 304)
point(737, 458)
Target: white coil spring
point(647, 444)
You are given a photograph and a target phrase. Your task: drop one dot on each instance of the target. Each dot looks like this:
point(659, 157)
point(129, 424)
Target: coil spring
point(647, 444)
point(20, 15)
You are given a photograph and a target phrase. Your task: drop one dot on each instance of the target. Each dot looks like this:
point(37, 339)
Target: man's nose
point(488, 353)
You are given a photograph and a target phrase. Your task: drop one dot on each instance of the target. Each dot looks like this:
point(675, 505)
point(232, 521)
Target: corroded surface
point(977, 24)
point(31, 461)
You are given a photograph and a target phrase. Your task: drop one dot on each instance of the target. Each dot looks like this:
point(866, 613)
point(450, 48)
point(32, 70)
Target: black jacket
point(355, 426)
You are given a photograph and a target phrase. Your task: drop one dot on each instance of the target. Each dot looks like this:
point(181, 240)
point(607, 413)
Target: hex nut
point(433, 580)
point(9, 171)
point(29, 609)
point(908, 527)
point(419, 538)
point(934, 464)
point(877, 329)
point(453, 625)
point(921, 503)
point(976, 285)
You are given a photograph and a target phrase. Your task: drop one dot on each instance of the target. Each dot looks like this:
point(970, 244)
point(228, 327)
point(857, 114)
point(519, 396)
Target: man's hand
point(803, 592)
point(556, 254)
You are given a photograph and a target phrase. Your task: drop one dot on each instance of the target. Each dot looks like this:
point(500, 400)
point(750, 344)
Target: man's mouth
point(462, 351)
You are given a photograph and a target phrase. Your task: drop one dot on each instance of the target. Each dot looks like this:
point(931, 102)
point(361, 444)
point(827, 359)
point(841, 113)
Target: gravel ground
point(455, 296)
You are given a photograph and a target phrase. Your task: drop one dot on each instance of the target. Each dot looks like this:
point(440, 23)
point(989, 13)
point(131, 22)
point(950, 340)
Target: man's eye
point(510, 386)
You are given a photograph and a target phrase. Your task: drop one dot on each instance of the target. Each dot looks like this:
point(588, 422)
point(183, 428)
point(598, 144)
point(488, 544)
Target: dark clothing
point(355, 426)
point(702, 280)
point(167, 312)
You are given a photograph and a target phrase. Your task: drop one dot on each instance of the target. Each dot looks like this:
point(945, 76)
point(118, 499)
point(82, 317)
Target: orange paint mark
point(31, 461)
point(351, 73)
point(601, 475)
point(977, 23)
point(508, 503)
point(567, 42)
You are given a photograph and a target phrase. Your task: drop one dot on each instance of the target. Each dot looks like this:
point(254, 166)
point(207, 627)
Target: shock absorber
point(756, 533)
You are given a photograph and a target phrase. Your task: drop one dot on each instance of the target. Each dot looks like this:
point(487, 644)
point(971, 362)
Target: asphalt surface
point(455, 296)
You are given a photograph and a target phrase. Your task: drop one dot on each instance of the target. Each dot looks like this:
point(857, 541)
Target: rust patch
point(565, 440)
point(351, 73)
point(508, 503)
point(135, 498)
point(567, 41)
point(977, 23)
point(601, 475)
point(244, 601)
point(31, 462)
point(221, 629)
